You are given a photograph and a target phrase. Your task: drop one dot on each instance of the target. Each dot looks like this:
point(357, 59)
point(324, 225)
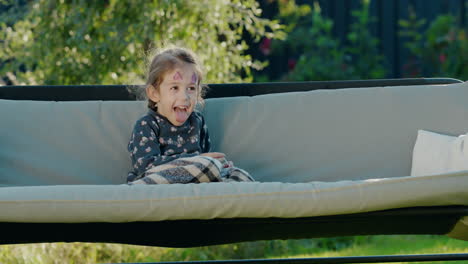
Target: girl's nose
point(185, 95)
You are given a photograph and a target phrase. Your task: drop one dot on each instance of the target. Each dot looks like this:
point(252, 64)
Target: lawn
point(354, 246)
point(397, 245)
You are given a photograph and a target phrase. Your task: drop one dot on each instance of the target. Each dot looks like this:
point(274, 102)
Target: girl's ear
point(152, 93)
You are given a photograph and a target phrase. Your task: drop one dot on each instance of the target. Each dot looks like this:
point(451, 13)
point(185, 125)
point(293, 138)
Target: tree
point(106, 42)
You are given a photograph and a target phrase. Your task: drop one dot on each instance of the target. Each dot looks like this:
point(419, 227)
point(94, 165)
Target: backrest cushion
point(331, 135)
point(324, 135)
point(47, 143)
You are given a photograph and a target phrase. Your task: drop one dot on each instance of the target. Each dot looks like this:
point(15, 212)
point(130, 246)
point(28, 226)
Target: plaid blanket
point(193, 170)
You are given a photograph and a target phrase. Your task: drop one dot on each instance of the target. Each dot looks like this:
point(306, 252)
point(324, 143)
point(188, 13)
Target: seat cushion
point(125, 203)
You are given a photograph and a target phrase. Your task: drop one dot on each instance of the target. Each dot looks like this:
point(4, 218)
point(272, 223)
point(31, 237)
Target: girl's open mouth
point(181, 113)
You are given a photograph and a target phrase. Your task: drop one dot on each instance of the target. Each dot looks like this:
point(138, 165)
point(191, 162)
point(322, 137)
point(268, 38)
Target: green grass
point(355, 246)
point(395, 245)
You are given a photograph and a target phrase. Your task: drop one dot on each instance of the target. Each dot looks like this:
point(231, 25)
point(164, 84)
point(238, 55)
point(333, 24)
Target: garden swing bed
point(46, 199)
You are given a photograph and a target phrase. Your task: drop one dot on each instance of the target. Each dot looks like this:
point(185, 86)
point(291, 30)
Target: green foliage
point(293, 12)
point(411, 28)
point(321, 56)
point(106, 42)
point(366, 61)
point(441, 50)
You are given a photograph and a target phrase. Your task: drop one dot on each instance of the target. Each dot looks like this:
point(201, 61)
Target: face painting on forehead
point(194, 78)
point(177, 76)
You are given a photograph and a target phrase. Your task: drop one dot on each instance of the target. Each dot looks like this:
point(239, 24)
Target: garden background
point(68, 42)
point(106, 42)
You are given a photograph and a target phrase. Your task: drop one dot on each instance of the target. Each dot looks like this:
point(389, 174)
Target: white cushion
point(438, 153)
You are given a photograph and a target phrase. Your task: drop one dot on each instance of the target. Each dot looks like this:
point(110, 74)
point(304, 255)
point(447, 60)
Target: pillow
point(435, 153)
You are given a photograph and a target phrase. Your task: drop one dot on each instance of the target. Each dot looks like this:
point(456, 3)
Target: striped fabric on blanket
point(193, 170)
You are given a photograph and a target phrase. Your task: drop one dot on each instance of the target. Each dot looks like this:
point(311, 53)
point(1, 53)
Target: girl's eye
point(174, 88)
point(192, 88)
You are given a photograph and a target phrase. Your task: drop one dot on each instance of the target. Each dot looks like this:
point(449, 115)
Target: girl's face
point(177, 94)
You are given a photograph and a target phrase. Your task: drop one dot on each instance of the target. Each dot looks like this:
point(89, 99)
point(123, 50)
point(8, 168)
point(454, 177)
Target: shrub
point(440, 50)
point(105, 42)
point(315, 54)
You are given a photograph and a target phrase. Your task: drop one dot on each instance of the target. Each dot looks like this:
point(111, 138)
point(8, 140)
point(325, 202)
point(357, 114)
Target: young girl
point(172, 129)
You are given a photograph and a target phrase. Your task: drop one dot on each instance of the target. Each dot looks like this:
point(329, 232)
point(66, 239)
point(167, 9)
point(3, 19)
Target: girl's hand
point(215, 155)
point(229, 164)
point(221, 157)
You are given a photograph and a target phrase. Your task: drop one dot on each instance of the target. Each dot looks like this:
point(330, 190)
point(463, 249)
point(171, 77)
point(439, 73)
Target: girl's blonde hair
point(166, 60)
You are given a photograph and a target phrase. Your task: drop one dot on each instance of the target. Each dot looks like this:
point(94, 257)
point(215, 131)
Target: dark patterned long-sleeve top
point(155, 141)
